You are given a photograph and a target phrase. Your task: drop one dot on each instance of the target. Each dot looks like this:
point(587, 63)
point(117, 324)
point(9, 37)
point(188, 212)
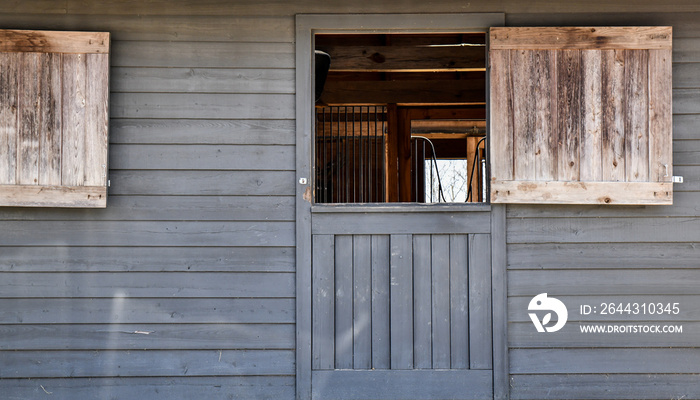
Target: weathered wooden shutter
point(53, 118)
point(581, 115)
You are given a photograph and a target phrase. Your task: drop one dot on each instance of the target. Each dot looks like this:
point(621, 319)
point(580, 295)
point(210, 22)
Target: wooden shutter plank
point(29, 119)
point(556, 192)
point(569, 119)
point(544, 79)
point(74, 100)
point(523, 115)
point(637, 115)
point(9, 73)
point(591, 130)
point(501, 142)
point(96, 119)
point(613, 97)
point(53, 196)
point(53, 41)
point(660, 116)
point(583, 38)
point(51, 130)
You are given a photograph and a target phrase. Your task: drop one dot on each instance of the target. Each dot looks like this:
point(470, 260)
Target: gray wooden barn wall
point(184, 286)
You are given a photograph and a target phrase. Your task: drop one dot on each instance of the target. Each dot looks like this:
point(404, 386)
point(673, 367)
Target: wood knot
point(378, 58)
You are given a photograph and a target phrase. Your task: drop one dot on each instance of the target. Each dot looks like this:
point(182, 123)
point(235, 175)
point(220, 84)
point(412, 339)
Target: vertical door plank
point(381, 260)
point(660, 115)
point(637, 128)
point(501, 111)
point(613, 98)
point(440, 255)
point(74, 100)
point(322, 302)
point(591, 131)
point(9, 104)
point(51, 131)
point(422, 332)
point(343, 301)
point(29, 119)
point(401, 302)
point(569, 103)
point(480, 301)
point(544, 152)
point(459, 300)
point(362, 302)
point(97, 119)
point(524, 118)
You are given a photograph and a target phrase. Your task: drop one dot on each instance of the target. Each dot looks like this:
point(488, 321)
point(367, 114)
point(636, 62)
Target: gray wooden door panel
point(392, 311)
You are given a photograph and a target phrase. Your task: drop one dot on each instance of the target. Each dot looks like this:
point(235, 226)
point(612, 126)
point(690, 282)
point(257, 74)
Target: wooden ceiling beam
point(406, 58)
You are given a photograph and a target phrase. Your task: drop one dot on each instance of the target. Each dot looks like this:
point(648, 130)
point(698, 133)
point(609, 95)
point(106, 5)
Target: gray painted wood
point(146, 284)
point(169, 336)
point(381, 286)
point(459, 300)
point(323, 289)
point(157, 388)
point(605, 386)
point(415, 384)
point(422, 302)
point(400, 223)
point(146, 311)
point(343, 301)
point(112, 363)
point(611, 361)
point(499, 290)
point(401, 313)
point(206, 131)
point(441, 306)
point(480, 319)
point(362, 302)
point(147, 233)
point(147, 259)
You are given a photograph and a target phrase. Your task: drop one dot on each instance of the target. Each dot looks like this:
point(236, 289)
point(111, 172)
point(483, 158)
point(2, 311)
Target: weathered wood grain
point(544, 80)
point(524, 123)
point(53, 42)
point(138, 311)
point(216, 388)
point(74, 129)
point(603, 386)
point(53, 196)
point(568, 120)
point(51, 128)
point(591, 148)
point(613, 100)
point(96, 119)
point(28, 129)
point(501, 99)
point(147, 284)
point(145, 233)
point(637, 115)
point(558, 192)
point(112, 363)
point(582, 38)
point(170, 336)
point(9, 104)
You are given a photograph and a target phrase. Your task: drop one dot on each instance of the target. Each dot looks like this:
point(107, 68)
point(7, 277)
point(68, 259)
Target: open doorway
point(400, 118)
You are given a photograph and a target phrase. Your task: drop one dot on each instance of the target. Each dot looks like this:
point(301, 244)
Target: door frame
point(307, 25)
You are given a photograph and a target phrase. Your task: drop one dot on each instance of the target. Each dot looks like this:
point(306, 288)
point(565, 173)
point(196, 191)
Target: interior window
point(400, 118)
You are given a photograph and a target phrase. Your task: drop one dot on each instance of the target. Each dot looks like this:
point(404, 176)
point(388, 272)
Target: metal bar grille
point(349, 154)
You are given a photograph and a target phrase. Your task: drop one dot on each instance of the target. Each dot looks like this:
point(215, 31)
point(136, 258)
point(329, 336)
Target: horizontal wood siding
point(183, 286)
point(589, 255)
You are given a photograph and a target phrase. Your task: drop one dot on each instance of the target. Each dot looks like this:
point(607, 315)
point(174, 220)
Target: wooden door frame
point(307, 25)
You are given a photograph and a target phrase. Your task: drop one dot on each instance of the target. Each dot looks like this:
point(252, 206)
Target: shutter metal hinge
point(677, 179)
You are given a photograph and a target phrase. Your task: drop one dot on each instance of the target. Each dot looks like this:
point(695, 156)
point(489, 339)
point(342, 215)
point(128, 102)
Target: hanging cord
point(434, 163)
point(471, 175)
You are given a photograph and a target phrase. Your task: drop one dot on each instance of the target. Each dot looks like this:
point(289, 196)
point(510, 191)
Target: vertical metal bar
point(354, 157)
point(423, 161)
point(347, 159)
point(370, 135)
point(384, 155)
